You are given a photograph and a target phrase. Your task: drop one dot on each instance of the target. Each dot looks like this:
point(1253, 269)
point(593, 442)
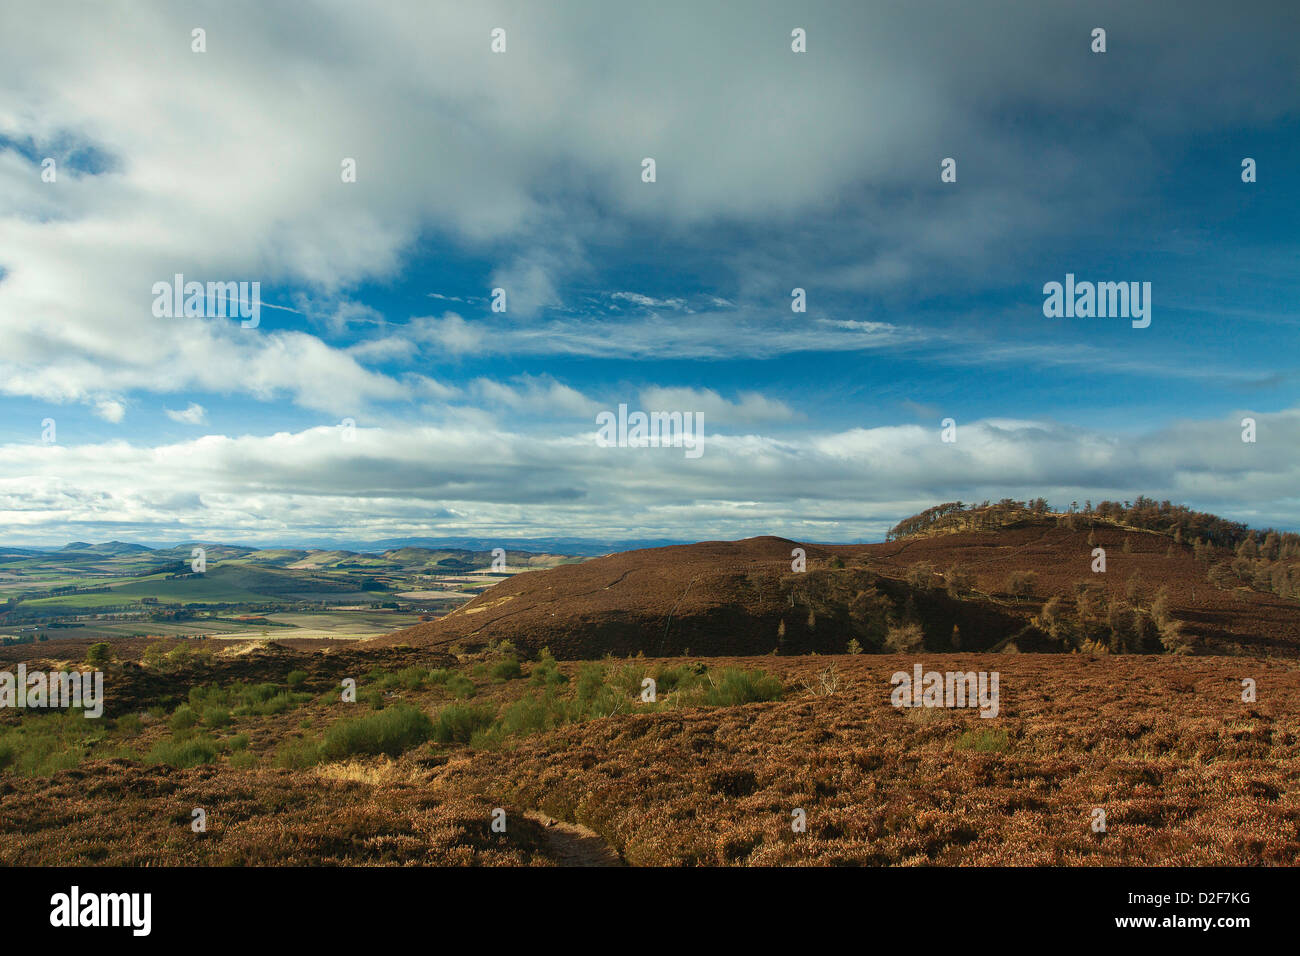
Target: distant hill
point(108, 548)
point(228, 583)
point(571, 546)
point(1021, 582)
point(584, 547)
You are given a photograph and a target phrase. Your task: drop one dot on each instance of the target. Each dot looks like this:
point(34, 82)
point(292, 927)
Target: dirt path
point(572, 844)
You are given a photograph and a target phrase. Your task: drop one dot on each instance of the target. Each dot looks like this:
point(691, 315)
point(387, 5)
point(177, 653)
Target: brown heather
point(1186, 772)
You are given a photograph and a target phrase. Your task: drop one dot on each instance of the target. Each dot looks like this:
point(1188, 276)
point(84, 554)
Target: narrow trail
point(572, 844)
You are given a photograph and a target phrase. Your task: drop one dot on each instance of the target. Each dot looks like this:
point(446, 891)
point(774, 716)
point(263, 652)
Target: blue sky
point(521, 170)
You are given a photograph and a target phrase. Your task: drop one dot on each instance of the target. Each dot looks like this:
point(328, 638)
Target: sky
point(380, 395)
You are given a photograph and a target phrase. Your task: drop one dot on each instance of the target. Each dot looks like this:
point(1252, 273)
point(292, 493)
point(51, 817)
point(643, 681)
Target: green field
point(300, 593)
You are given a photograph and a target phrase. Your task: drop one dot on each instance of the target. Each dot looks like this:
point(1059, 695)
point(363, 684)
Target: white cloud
point(226, 164)
point(538, 396)
point(478, 478)
point(751, 407)
point(192, 414)
point(650, 302)
point(110, 410)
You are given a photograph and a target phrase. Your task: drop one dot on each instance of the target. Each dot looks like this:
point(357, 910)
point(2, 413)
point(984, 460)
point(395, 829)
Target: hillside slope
point(742, 598)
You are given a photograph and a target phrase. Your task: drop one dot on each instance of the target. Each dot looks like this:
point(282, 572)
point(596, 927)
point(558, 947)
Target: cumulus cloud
point(774, 170)
point(526, 154)
point(192, 414)
point(470, 479)
point(110, 410)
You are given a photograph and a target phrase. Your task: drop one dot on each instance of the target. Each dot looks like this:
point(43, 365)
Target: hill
point(1018, 579)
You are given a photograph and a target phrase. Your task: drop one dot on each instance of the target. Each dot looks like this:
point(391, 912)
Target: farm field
point(116, 590)
point(335, 623)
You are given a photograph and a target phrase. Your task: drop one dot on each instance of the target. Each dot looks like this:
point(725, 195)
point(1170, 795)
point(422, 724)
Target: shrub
point(739, 686)
point(155, 655)
point(295, 678)
point(507, 669)
point(391, 731)
point(216, 717)
point(412, 678)
point(1021, 584)
point(129, 724)
point(461, 686)
point(531, 714)
point(680, 678)
point(1174, 640)
point(905, 638)
point(279, 703)
point(596, 696)
point(99, 653)
point(179, 656)
point(958, 579)
point(243, 760)
point(457, 723)
point(183, 718)
point(298, 754)
point(921, 575)
point(546, 672)
point(183, 751)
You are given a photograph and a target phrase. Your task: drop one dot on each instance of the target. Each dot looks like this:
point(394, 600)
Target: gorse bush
point(458, 723)
point(189, 751)
point(408, 678)
point(216, 717)
point(99, 653)
point(739, 686)
point(531, 714)
point(298, 754)
point(683, 677)
point(546, 672)
point(601, 689)
point(390, 731)
point(598, 692)
point(129, 724)
point(242, 700)
point(41, 744)
point(507, 669)
point(456, 684)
